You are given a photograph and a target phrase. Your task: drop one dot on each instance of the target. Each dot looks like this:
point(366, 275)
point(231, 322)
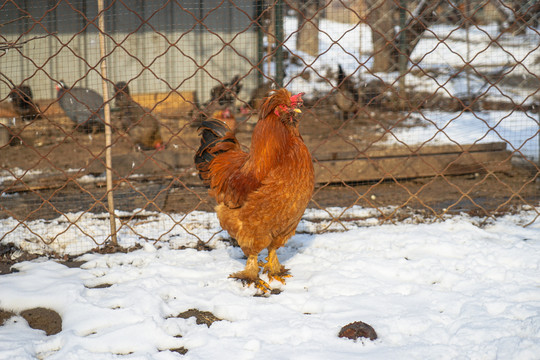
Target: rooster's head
point(283, 105)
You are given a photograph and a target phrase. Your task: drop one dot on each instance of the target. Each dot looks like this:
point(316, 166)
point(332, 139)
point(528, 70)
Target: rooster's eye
point(283, 109)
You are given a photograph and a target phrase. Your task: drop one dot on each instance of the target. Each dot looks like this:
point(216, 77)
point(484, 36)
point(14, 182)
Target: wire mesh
point(422, 105)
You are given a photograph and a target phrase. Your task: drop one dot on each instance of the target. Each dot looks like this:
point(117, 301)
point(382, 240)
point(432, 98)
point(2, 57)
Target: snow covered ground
point(516, 128)
point(451, 289)
point(442, 52)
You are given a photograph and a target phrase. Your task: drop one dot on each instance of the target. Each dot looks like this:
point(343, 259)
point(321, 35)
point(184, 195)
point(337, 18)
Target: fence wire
point(412, 109)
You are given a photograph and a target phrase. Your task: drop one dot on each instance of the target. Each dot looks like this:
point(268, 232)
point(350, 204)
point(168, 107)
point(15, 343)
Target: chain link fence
point(413, 109)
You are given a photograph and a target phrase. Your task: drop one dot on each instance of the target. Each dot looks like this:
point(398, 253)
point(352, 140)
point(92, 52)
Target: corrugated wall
point(157, 45)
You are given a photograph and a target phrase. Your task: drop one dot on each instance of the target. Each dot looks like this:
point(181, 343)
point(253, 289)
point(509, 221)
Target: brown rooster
point(262, 194)
point(140, 124)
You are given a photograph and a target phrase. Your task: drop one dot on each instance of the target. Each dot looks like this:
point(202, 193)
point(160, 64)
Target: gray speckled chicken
point(83, 106)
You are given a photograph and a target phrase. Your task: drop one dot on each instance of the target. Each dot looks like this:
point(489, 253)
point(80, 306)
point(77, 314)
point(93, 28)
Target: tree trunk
point(380, 19)
point(422, 18)
point(308, 27)
point(386, 43)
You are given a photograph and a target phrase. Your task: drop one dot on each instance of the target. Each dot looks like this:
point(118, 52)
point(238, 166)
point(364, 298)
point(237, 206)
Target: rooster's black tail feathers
point(216, 138)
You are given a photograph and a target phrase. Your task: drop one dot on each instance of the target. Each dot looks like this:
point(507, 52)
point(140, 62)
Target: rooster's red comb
point(297, 99)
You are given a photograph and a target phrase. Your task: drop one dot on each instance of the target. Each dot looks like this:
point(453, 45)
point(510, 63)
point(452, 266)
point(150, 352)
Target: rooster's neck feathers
point(276, 136)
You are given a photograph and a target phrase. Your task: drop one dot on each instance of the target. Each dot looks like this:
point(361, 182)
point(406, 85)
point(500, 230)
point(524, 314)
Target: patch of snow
point(440, 290)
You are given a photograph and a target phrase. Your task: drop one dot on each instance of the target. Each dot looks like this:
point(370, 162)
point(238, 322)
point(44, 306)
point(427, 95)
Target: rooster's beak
point(298, 111)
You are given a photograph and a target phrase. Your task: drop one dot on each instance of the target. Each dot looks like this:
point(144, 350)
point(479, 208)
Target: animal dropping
point(358, 329)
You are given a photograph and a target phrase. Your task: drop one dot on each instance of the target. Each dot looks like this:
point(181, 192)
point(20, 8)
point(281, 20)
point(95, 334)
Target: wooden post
point(538, 115)
point(308, 27)
point(403, 58)
point(107, 120)
point(380, 20)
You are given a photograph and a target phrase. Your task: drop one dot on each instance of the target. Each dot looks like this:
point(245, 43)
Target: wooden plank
point(332, 152)
point(412, 166)
point(167, 103)
point(6, 110)
point(336, 167)
point(148, 163)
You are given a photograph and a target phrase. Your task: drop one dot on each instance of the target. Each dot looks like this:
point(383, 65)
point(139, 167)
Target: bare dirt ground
point(51, 169)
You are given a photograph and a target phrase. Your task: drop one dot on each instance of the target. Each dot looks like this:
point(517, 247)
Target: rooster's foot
point(274, 269)
point(247, 279)
point(250, 275)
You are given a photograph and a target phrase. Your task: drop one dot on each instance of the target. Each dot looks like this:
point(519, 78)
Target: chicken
point(22, 99)
point(347, 95)
point(222, 96)
point(142, 127)
point(83, 106)
point(226, 94)
point(260, 195)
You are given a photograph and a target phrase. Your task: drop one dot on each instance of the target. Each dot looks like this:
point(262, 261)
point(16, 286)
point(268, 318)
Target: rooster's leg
point(274, 269)
point(250, 275)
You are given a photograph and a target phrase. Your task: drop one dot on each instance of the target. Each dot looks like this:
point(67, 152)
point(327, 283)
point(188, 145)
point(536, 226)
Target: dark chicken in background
point(222, 96)
point(142, 127)
point(23, 103)
point(261, 195)
point(226, 94)
point(347, 95)
point(83, 106)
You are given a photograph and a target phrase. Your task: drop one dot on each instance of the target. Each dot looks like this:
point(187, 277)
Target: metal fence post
point(260, 42)
point(279, 43)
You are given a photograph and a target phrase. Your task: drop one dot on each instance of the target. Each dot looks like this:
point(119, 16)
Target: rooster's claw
point(279, 277)
point(247, 281)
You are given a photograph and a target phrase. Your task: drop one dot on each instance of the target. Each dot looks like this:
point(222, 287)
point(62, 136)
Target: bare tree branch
point(12, 21)
point(6, 45)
